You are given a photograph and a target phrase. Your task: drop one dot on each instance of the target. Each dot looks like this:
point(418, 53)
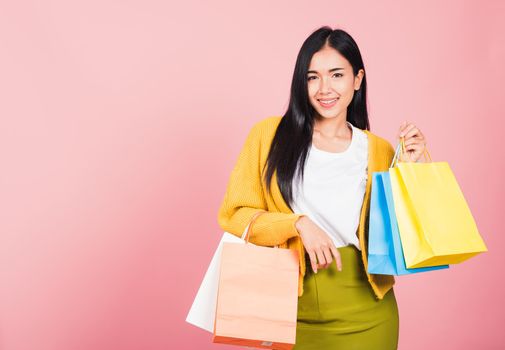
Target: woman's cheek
point(312, 89)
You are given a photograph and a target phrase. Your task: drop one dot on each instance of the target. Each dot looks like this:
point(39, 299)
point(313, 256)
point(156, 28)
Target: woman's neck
point(332, 128)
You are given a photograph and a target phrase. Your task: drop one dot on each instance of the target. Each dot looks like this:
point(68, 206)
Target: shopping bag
point(257, 296)
point(385, 254)
point(435, 223)
point(203, 310)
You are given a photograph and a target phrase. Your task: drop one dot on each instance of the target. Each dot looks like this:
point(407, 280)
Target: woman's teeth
point(328, 103)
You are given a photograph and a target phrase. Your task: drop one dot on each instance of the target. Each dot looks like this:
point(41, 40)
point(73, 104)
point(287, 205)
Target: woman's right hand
point(318, 244)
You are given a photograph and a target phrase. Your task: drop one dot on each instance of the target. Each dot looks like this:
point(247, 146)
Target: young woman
point(309, 171)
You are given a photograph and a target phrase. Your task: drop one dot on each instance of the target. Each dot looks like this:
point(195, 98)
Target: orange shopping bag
point(257, 297)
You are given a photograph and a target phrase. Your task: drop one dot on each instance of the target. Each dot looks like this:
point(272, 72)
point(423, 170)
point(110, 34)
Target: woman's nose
point(325, 85)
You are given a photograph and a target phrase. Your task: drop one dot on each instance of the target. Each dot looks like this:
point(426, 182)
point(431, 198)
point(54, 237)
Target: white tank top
point(333, 189)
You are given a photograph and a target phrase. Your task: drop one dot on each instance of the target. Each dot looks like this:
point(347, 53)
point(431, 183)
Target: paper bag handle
point(247, 230)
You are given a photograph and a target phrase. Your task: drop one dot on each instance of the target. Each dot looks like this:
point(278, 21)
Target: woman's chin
point(328, 114)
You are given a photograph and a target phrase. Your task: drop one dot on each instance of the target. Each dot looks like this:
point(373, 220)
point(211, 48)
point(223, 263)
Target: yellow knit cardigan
point(246, 194)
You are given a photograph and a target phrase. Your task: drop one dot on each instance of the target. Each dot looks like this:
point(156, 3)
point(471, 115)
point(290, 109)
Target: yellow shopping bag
point(436, 226)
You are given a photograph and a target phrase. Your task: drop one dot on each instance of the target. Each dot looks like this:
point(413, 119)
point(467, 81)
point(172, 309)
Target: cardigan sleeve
point(244, 197)
point(390, 152)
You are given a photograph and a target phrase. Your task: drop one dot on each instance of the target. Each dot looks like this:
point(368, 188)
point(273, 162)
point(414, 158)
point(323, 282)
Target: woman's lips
point(328, 103)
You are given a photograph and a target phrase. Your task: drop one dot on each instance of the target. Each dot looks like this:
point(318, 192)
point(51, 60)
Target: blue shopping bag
point(385, 254)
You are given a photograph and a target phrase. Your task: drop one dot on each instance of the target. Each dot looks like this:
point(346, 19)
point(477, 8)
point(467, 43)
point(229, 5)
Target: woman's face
point(331, 83)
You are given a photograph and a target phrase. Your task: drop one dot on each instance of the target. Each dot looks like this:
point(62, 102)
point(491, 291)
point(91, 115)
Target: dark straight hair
point(293, 136)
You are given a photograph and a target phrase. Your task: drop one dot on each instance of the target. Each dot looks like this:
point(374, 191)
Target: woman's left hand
point(414, 140)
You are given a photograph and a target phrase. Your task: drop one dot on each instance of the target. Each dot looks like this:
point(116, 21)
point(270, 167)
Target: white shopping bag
point(203, 311)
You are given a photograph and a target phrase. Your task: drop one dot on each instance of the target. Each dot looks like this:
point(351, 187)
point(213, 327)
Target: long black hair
point(293, 137)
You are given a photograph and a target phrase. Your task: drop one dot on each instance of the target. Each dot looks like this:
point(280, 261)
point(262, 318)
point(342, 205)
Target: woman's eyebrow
point(329, 70)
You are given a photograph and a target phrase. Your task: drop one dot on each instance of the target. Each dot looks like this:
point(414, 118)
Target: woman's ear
point(358, 79)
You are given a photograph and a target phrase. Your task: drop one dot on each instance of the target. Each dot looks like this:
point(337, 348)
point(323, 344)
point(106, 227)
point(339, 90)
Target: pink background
point(121, 122)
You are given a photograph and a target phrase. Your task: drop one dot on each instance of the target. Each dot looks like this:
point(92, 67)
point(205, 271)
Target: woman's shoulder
point(268, 123)
point(380, 144)
point(266, 127)
point(380, 141)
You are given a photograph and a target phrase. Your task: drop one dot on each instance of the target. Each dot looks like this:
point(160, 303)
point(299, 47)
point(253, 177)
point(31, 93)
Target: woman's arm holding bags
point(244, 197)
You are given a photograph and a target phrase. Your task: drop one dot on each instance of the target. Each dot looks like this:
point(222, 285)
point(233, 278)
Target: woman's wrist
point(302, 220)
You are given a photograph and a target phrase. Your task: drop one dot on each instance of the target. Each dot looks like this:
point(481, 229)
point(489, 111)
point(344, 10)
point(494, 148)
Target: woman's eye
point(336, 74)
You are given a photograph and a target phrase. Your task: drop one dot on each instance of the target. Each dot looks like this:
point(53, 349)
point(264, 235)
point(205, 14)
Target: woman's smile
point(328, 103)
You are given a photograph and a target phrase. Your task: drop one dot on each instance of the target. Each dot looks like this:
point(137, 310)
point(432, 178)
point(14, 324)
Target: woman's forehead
point(326, 60)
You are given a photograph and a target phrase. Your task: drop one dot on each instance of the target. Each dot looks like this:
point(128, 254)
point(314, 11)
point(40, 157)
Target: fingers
point(413, 140)
point(413, 133)
point(408, 130)
point(320, 257)
point(405, 127)
point(415, 143)
point(327, 256)
point(338, 259)
point(323, 257)
point(417, 146)
point(412, 153)
point(319, 247)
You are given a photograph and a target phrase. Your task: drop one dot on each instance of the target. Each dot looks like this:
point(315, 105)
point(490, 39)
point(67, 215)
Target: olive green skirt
point(338, 309)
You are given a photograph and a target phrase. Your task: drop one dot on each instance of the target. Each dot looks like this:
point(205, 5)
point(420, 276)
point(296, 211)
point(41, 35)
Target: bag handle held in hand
point(400, 149)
